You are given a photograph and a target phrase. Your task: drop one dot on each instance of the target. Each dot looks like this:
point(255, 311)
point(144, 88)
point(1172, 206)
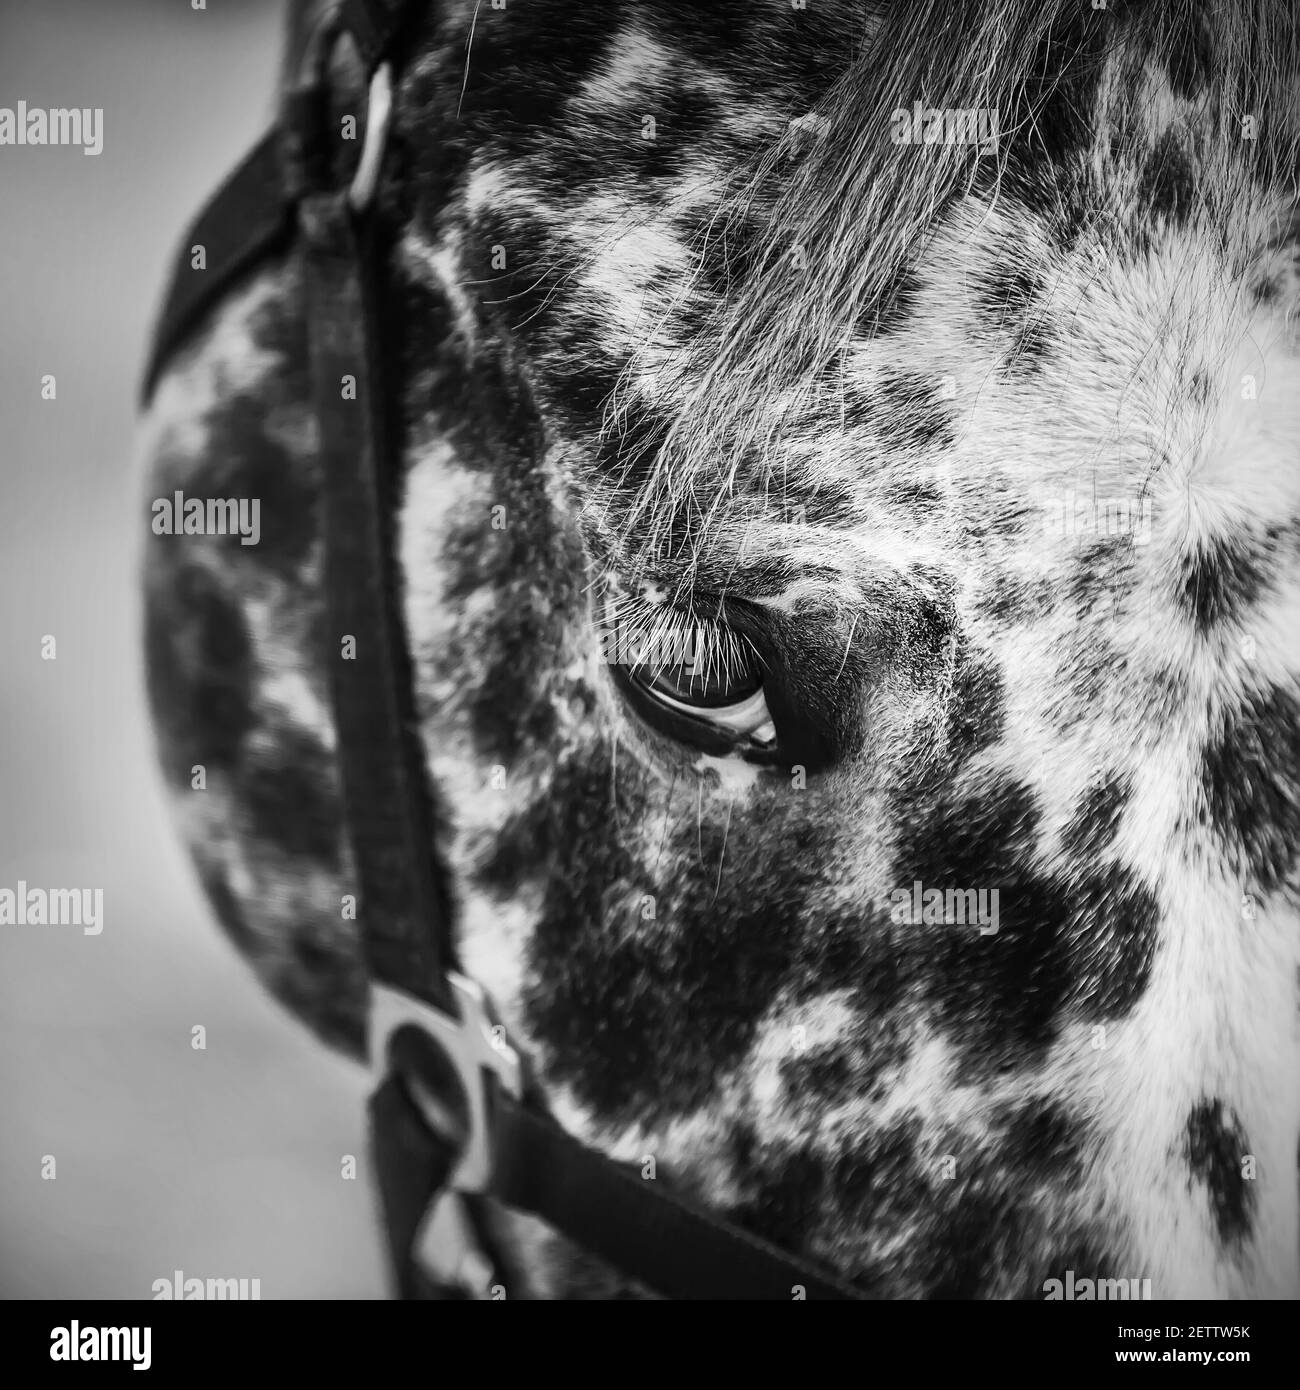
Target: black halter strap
point(455, 1118)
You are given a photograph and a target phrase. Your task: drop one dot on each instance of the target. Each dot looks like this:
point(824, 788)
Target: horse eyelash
point(722, 650)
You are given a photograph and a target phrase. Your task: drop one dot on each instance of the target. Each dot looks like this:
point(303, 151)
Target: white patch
point(735, 779)
point(216, 364)
point(1217, 1022)
point(636, 65)
point(810, 123)
point(439, 267)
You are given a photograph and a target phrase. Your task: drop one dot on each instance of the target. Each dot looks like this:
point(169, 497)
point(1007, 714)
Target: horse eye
point(701, 689)
point(711, 704)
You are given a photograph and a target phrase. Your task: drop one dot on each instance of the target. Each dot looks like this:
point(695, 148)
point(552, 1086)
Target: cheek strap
point(456, 1120)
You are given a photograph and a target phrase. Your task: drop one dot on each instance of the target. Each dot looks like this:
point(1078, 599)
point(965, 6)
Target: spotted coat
point(1020, 569)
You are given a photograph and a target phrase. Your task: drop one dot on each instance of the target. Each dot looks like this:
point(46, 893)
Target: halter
point(456, 1118)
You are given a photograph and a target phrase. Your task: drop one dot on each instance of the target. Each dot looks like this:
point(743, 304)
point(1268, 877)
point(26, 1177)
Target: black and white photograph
point(651, 652)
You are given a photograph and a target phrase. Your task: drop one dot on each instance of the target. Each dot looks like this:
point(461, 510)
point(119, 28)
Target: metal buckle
point(312, 81)
point(446, 1244)
point(379, 112)
point(475, 1042)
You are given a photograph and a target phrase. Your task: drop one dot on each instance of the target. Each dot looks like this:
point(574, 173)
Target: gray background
point(221, 1163)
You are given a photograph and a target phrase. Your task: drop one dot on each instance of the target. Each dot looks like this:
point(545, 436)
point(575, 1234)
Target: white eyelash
point(723, 653)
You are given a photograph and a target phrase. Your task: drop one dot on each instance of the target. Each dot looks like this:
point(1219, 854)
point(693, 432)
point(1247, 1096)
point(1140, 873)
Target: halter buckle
point(478, 1048)
point(308, 140)
point(379, 111)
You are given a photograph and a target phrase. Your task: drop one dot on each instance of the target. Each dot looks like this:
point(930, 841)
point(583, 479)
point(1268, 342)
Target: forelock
point(844, 212)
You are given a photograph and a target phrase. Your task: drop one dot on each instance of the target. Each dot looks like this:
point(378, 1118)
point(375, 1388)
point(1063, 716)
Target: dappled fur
point(771, 374)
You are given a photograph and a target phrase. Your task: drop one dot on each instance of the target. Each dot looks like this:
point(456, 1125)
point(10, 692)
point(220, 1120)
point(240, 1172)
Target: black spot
point(978, 709)
point(1061, 83)
point(199, 663)
point(882, 1170)
point(826, 504)
point(1214, 1148)
point(323, 981)
point(1011, 299)
point(1266, 290)
point(1199, 387)
point(292, 802)
point(1030, 347)
point(276, 326)
point(1084, 1255)
point(1250, 775)
point(1219, 580)
point(917, 499)
point(1013, 601)
point(907, 412)
point(1092, 668)
point(1168, 184)
point(785, 1206)
point(824, 1072)
point(523, 296)
point(1040, 1143)
point(892, 309)
point(837, 1071)
point(852, 951)
point(1051, 117)
point(473, 554)
point(799, 53)
point(957, 1264)
point(1092, 827)
point(731, 250)
point(1104, 572)
point(626, 457)
point(1111, 942)
point(683, 118)
point(580, 374)
point(642, 1017)
point(999, 996)
point(245, 463)
point(508, 708)
point(524, 66)
point(1188, 56)
point(443, 385)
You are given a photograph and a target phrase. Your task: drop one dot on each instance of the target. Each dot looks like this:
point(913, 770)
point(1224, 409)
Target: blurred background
point(223, 1163)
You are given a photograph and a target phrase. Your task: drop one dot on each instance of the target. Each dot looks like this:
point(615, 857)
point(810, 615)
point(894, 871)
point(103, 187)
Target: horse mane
point(842, 221)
